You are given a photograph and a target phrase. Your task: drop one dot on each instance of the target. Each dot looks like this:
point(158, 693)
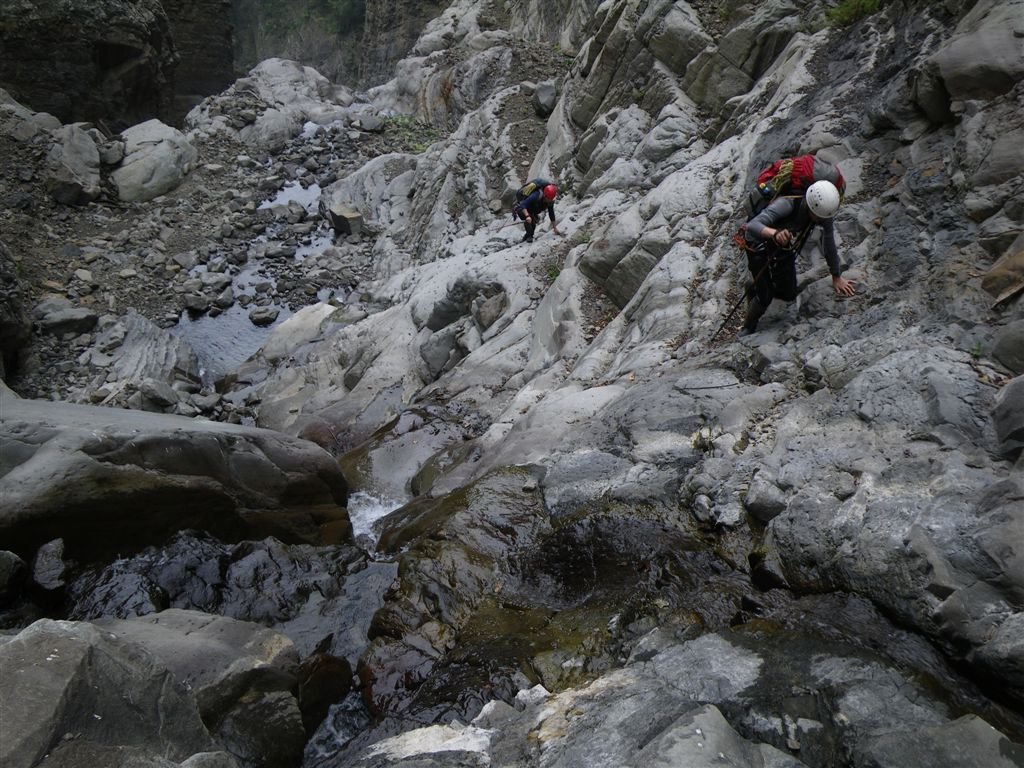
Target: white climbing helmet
point(823, 199)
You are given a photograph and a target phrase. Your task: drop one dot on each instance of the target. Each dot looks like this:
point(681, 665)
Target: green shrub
point(409, 134)
point(849, 11)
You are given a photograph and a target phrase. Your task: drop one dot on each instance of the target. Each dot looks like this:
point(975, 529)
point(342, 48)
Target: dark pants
point(778, 281)
point(529, 225)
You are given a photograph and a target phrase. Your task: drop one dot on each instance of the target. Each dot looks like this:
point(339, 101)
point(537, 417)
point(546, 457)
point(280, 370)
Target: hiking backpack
point(788, 177)
point(525, 191)
point(792, 176)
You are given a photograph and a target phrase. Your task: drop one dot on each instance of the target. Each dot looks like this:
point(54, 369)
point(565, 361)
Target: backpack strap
point(740, 238)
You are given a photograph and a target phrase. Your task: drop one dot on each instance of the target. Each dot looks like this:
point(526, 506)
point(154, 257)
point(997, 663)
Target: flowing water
point(225, 341)
point(307, 197)
point(364, 509)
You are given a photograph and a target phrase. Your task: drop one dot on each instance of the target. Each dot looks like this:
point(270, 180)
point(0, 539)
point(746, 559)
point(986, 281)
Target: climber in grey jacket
point(774, 238)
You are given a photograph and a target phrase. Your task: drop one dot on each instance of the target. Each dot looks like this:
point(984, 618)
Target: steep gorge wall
point(560, 21)
point(390, 30)
point(115, 62)
point(202, 33)
point(356, 44)
point(104, 60)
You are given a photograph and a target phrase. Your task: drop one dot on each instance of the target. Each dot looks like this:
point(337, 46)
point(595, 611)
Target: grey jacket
point(789, 213)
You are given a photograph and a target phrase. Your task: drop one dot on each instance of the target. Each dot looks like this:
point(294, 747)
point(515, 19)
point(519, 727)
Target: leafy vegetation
point(282, 19)
point(408, 134)
point(581, 236)
point(849, 11)
point(311, 30)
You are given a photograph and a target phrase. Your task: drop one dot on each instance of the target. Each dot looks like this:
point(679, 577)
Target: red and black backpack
point(788, 177)
point(792, 176)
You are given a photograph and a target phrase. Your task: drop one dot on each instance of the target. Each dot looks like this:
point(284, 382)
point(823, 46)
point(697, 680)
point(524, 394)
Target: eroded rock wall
point(390, 30)
point(108, 61)
point(202, 33)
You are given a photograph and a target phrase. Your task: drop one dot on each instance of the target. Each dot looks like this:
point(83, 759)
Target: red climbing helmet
point(550, 192)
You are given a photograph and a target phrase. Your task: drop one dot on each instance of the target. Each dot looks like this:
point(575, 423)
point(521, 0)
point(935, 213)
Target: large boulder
point(87, 474)
point(983, 58)
point(89, 60)
point(21, 123)
point(241, 675)
point(74, 165)
point(1008, 415)
point(157, 158)
point(103, 690)
point(1008, 347)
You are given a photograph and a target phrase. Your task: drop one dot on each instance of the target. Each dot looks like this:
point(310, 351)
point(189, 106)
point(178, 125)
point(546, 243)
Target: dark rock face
point(200, 475)
point(390, 31)
point(202, 34)
point(101, 60)
point(353, 43)
point(15, 323)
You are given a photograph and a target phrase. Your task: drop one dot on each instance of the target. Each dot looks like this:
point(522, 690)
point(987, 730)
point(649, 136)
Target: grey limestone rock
point(1008, 347)
point(156, 158)
point(92, 469)
point(89, 682)
point(74, 163)
point(1009, 415)
point(241, 675)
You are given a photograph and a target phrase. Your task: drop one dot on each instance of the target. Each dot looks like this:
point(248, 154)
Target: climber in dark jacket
point(532, 200)
point(774, 238)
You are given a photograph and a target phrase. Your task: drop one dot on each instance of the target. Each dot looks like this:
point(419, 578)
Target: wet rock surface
point(618, 535)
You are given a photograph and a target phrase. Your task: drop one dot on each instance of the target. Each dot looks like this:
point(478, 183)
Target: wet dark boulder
point(15, 322)
point(109, 481)
point(89, 60)
point(12, 575)
point(323, 597)
point(323, 679)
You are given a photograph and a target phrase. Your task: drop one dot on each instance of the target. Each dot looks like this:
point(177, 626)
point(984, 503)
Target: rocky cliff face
point(390, 30)
point(625, 535)
point(108, 61)
point(202, 34)
point(356, 44)
point(114, 62)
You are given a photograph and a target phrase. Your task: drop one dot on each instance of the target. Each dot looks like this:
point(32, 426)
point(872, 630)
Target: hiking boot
point(754, 312)
point(527, 239)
